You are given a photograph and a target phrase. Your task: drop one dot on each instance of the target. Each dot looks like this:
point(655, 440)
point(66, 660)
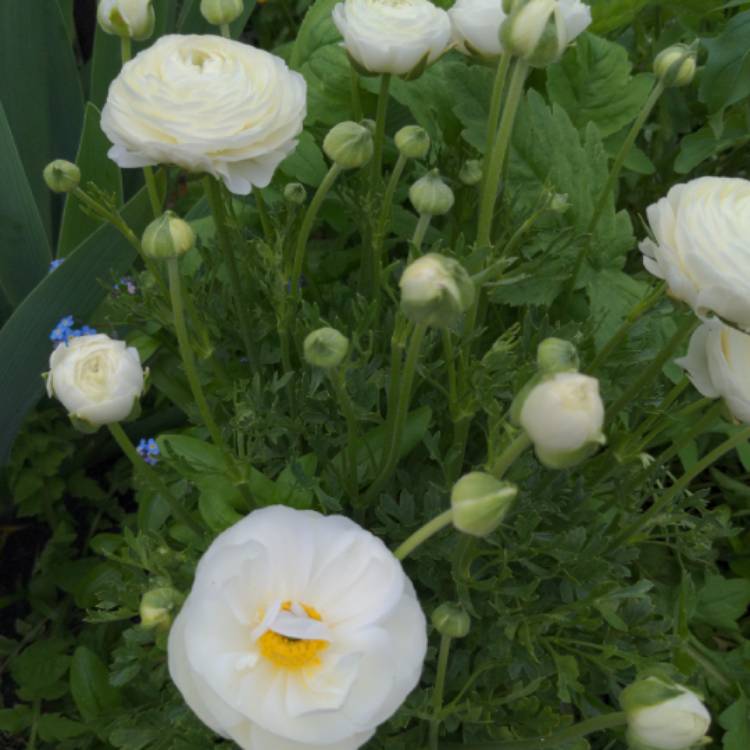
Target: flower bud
point(220, 12)
point(557, 355)
point(349, 145)
point(326, 348)
point(157, 606)
point(294, 192)
point(675, 66)
point(370, 124)
point(413, 142)
point(480, 502)
point(127, 18)
point(471, 172)
point(559, 203)
point(563, 415)
point(430, 195)
point(663, 715)
point(169, 236)
point(61, 176)
point(435, 290)
point(451, 620)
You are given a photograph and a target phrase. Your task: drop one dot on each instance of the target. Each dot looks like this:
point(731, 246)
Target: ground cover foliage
point(573, 596)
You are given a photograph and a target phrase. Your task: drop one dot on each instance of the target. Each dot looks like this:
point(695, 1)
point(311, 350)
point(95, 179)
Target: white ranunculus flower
point(128, 18)
point(702, 247)
point(207, 104)
point(392, 36)
point(300, 631)
point(476, 26)
point(564, 417)
point(718, 362)
point(96, 378)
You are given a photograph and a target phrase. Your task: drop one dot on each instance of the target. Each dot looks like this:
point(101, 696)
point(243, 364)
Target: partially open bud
point(563, 415)
point(127, 18)
point(220, 12)
point(480, 502)
point(326, 348)
point(430, 195)
point(663, 715)
point(451, 620)
point(435, 290)
point(294, 192)
point(557, 355)
point(413, 142)
point(157, 607)
point(675, 66)
point(349, 145)
point(61, 176)
point(471, 172)
point(169, 236)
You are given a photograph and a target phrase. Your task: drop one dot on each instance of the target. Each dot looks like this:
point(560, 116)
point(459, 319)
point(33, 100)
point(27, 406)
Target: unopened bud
point(435, 290)
point(451, 620)
point(61, 176)
point(157, 607)
point(675, 66)
point(133, 19)
point(169, 236)
point(294, 192)
point(349, 145)
point(430, 195)
point(326, 348)
point(413, 142)
point(480, 502)
point(471, 172)
point(221, 12)
point(557, 355)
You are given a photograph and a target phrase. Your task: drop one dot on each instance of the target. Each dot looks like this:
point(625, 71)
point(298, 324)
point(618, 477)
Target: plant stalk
point(508, 457)
point(377, 156)
point(424, 533)
point(439, 690)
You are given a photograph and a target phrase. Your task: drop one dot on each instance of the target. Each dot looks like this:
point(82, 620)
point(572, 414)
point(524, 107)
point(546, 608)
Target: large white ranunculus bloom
point(718, 362)
point(476, 26)
point(128, 18)
point(300, 631)
point(96, 378)
point(392, 36)
point(702, 247)
point(207, 104)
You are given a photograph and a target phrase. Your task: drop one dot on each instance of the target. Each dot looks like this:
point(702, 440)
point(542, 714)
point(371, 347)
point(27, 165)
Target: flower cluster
point(149, 451)
point(64, 331)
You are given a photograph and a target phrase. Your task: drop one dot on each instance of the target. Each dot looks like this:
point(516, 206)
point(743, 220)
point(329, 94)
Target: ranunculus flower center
point(288, 651)
point(93, 374)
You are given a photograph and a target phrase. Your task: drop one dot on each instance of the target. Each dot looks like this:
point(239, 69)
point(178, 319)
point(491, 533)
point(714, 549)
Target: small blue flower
point(149, 451)
point(83, 331)
point(55, 264)
point(127, 285)
point(63, 330)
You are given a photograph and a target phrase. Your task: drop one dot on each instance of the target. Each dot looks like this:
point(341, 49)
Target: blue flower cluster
point(64, 330)
point(149, 451)
point(55, 264)
point(127, 285)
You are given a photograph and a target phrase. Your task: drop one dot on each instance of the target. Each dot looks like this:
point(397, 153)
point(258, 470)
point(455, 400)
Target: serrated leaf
point(306, 162)
point(40, 666)
point(736, 721)
point(723, 601)
point(612, 294)
point(89, 685)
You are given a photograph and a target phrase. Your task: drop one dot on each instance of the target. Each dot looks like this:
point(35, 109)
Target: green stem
point(680, 485)
point(419, 232)
point(216, 202)
point(126, 49)
point(381, 228)
point(153, 191)
point(439, 689)
point(36, 711)
point(356, 99)
point(551, 741)
point(496, 101)
point(496, 163)
point(650, 434)
point(424, 533)
point(265, 219)
point(450, 366)
point(152, 477)
point(226, 32)
point(377, 157)
point(508, 457)
point(352, 433)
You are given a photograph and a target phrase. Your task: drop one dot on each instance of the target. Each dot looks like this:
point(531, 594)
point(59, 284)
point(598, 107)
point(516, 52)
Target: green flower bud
point(435, 290)
point(430, 195)
point(294, 192)
point(349, 145)
point(133, 19)
point(157, 606)
point(535, 32)
point(61, 176)
point(471, 172)
point(557, 355)
point(451, 620)
point(413, 142)
point(480, 502)
point(220, 12)
point(326, 348)
point(169, 236)
point(371, 125)
point(676, 66)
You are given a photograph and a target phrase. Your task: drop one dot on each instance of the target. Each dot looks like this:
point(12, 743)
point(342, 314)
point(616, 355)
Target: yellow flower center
point(292, 653)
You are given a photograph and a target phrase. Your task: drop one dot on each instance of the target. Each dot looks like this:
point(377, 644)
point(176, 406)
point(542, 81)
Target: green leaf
point(611, 14)
point(76, 288)
point(41, 92)
point(95, 167)
point(704, 143)
point(306, 162)
point(317, 29)
point(89, 685)
point(612, 294)
point(593, 84)
point(15, 720)
point(105, 65)
point(723, 601)
point(39, 666)
point(53, 727)
point(24, 250)
point(218, 502)
point(736, 720)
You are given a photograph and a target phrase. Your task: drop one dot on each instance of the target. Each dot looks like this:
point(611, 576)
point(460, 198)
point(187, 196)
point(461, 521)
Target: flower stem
point(419, 233)
point(153, 191)
point(216, 202)
point(501, 76)
point(377, 157)
point(352, 437)
point(356, 99)
point(439, 689)
point(265, 219)
point(508, 457)
point(225, 31)
point(450, 366)
point(126, 49)
point(424, 533)
point(152, 477)
point(499, 151)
